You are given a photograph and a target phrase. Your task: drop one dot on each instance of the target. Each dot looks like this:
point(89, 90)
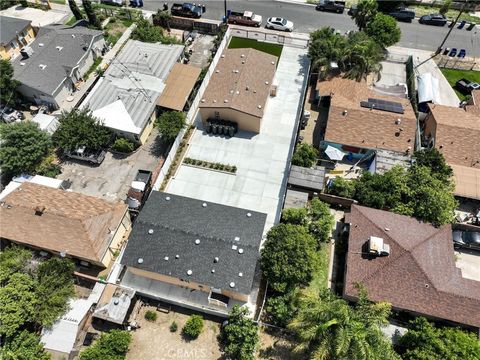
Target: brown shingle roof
point(362, 127)
point(81, 225)
point(242, 78)
point(457, 135)
point(467, 181)
point(419, 275)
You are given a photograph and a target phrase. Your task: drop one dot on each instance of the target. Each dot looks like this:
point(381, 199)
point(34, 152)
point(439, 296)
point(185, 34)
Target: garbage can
point(446, 51)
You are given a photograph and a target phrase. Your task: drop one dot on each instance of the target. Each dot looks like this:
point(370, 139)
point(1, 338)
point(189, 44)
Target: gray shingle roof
point(308, 178)
point(73, 41)
point(177, 224)
point(10, 27)
point(137, 78)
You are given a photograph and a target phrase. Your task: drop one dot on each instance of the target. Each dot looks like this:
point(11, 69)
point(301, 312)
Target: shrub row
point(210, 165)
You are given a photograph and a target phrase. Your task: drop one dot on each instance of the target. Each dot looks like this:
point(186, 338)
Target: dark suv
point(433, 19)
point(466, 240)
point(403, 15)
point(330, 5)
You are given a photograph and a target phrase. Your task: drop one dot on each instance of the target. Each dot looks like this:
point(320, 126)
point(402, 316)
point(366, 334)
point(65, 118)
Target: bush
point(194, 326)
point(151, 316)
point(280, 309)
point(170, 123)
point(111, 345)
point(173, 327)
point(48, 167)
point(342, 187)
point(295, 216)
point(305, 155)
point(123, 145)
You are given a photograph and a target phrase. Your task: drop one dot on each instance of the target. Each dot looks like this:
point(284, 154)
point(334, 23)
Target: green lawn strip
point(239, 43)
point(453, 75)
point(62, 2)
point(320, 277)
point(92, 68)
point(451, 14)
point(71, 21)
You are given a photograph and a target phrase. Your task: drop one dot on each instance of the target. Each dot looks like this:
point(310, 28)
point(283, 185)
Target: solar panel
point(384, 105)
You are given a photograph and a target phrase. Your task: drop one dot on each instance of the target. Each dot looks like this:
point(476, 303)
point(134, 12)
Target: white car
point(276, 23)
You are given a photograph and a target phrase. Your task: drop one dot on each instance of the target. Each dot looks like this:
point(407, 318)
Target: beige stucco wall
point(245, 121)
point(7, 51)
point(116, 242)
point(148, 128)
point(188, 284)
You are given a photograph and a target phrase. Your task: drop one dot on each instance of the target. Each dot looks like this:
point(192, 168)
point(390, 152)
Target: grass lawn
point(115, 30)
point(71, 21)
point(320, 278)
point(238, 43)
point(454, 75)
point(92, 68)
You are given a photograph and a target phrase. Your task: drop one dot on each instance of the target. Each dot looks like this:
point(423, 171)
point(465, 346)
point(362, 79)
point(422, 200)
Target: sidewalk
point(71, 101)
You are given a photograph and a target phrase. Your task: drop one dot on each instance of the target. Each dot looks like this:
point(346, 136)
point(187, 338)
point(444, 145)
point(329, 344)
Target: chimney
point(39, 210)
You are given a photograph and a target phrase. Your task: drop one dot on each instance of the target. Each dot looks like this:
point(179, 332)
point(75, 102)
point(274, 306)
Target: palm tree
point(328, 328)
point(326, 47)
point(164, 18)
point(366, 11)
point(361, 57)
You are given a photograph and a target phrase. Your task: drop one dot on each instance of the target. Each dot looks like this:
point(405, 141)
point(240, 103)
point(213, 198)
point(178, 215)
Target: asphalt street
point(307, 19)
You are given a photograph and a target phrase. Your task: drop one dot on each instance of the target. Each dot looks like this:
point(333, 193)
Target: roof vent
point(167, 198)
point(204, 205)
point(345, 112)
point(234, 247)
point(215, 260)
point(39, 210)
point(236, 71)
point(177, 256)
point(273, 63)
point(165, 258)
point(150, 231)
point(217, 71)
point(197, 242)
point(22, 63)
point(387, 229)
point(427, 286)
point(214, 101)
point(240, 274)
point(40, 44)
point(266, 82)
point(398, 121)
point(42, 66)
point(259, 106)
point(213, 271)
point(231, 91)
point(237, 92)
point(237, 238)
point(223, 56)
point(225, 101)
point(240, 251)
point(243, 61)
point(203, 100)
point(115, 302)
point(140, 260)
point(377, 247)
point(242, 56)
point(189, 272)
point(73, 36)
point(249, 214)
point(232, 284)
point(59, 48)
point(247, 88)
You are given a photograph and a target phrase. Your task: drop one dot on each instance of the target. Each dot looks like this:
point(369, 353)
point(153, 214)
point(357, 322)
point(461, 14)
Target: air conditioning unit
point(376, 246)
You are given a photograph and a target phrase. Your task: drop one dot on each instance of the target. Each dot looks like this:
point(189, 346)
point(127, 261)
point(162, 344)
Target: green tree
point(423, 341)
point(295, 216)
point(13, 259)
point(23, 346)
point(193, 326)
point(434, 160)
point(322, 220)
point(280, 308)
point(79, 128)
point(240, 336)
point(288, 258)
point(7, 83)
point(164, 18)
point(326, 46)
point(90, 12)
point(305, 155)
point(110, 346)
point(328, 328)
point(361, 56)
point(170, 123)
point(366, 11)
point(342, 187)
point(24, 146)
point(384, 30)
point(18, 303)
point(54, 288)
point(75, 10)
point(147, 32)
point(445, 7)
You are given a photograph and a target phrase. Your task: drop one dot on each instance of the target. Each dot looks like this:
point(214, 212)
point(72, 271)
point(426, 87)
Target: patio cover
point(427, 88)
point(467, 181)
point(178, 86)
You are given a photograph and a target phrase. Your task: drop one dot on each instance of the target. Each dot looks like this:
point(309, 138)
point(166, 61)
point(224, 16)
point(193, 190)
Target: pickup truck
point(466, 86)
point(84, 154)
point(247, 18)
point(187, 10)
point(330, 5)
point(139, 190)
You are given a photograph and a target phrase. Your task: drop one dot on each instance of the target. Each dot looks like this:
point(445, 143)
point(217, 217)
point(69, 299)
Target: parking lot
point(111, 179)
point(469, 262)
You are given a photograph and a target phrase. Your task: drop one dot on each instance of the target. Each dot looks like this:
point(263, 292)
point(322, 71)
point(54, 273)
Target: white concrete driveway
point(38, 17)
point(469, 262)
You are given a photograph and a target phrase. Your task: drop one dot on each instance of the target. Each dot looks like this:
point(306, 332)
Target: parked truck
point(247, 18)
point(331, 5)
point(187, 10)
point(139, 190)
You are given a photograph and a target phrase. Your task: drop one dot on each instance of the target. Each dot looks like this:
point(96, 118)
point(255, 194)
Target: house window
point(13, 45)
point(136, 137)
point(24, 33)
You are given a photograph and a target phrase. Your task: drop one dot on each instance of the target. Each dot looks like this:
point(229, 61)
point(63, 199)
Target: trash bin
point(446, 51)
point(471, 26)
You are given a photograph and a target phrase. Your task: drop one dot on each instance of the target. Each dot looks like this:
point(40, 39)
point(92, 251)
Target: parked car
point(466, 86)
point(84, 154)
point(331, 5)
point(10, 115)
point(247, 18)
point(353, 10)
point(276, 23)
point(453, 52)
point(187, 10)
point(466, 240)
point(462, 53)
point(136, 3)
point(114, 2)
point(403, 15)
point(433, 19)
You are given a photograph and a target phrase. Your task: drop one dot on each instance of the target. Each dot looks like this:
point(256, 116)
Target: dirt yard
point(154, 341)
point(274, 346)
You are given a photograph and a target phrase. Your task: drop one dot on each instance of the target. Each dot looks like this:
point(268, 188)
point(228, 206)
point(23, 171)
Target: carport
point(178, 86)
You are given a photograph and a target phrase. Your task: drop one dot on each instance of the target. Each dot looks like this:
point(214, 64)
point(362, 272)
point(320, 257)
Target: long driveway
point(306, 19)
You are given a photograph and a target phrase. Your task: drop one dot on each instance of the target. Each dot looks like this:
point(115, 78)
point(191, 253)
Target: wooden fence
point(457, 63)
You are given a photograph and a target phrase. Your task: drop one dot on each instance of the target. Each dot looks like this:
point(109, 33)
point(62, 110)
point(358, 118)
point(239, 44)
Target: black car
point(466, 240)
point(433, 19)
point(331, 5)
point(353, 10)
point(403, 15)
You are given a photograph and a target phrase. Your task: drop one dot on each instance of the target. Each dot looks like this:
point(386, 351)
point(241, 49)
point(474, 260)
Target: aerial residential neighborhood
point(241, 180)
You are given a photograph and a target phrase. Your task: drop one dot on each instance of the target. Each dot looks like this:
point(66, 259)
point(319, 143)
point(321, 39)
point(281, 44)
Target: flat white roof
point(262, 160)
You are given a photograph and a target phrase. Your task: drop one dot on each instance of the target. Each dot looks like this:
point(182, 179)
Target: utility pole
point(225, 7)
